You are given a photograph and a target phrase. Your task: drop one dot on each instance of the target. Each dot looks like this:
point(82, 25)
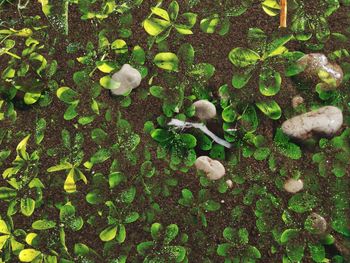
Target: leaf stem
point(283, 18)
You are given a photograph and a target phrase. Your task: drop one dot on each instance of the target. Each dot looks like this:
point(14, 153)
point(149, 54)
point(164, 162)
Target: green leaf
point(108, 83)
point(171, 232)
point(31, 97)
point(161, 135)
point(317, 252)
point(7, 193)
point(295, 251)
point(157, 91)
point(100, 156)
point(155, 26)
point(229, 114)
point(143, 247)
point(114, 179)
point(189, 140)
point(156, 229)
point(243, 57)
point(43, 224)
point(202, 70)
point(288, 235)
point(302, 202)
point(166, 60)
point(210, 24)
point(186, 54)
point(223, 249)
point(173, 10)
point(229, 234)
point(98, 135)
point(109, 233)
point(270, 108)
point(66, 94)
point(270, 82)
point(27, 206)
point(271, 7)
point(241, 76)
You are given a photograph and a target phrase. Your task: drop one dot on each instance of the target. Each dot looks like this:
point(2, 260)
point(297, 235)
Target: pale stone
point(297, 100)
point(293, 186)
point(213, 169)
point(318, 68)
point(129, 79)
point(319, 224)
point(205, 110)
point(229, 183)
point(326, 120)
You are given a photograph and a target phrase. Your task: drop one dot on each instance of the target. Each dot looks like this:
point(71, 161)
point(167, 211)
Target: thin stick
point(283, 18)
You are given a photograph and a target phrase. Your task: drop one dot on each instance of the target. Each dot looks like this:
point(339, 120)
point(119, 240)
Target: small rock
point(317, 223)
point(205, 110)
point(317, 67)
point(296, 101)
point(129, 79)
point(326, 120)
point(293, 186)
point(229, 183)
point(212, 168)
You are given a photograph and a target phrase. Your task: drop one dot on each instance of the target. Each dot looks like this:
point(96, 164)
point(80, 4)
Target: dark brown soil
point(210, 48)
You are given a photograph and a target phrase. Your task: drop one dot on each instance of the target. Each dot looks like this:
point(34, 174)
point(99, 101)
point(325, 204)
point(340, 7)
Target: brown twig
point(283, 18)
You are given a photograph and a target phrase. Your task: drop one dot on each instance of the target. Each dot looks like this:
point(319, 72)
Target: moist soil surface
point(210, 48)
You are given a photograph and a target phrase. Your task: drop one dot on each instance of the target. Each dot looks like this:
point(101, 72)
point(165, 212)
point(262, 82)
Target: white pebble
point(213, 169)
point(293, 186)
point(296, 101)
point(229, 183)
point(205, 110)
point(326, 120)
point(129, 79)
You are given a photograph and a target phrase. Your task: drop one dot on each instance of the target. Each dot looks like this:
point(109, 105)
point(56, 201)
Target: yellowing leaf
point(22, 147)
point(28, 255)
point(69, 184)
point(3, 227)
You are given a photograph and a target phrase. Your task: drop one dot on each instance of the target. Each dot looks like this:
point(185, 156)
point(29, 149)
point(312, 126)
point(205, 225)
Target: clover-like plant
point(107, 8)
point(161, 249)
point(334, 156)
point(237, 248)
point(307, 22)
point(8, 239)
point(71, 163)
point(296, 242)
point(246, 61)
point(198, 206)
point(160, 22)
point(180, 146)
point(219, 22)
point(26, 187)
point(29, 63)
point(120, 214)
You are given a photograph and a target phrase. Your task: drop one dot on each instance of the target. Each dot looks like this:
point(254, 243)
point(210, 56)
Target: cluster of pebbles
point(325, 121)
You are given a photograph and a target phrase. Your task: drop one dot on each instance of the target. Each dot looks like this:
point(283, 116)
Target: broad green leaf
point(27, 206)
point(161, 135)
point(229, 114)
point(31, 98)
point(302, 202)
point(4, 228)
point(155, 26)
point(167, 60)
point(7, 193)
point(271, 7)
point(66, 94)
point(156, 229)
point(43, 224)
point(270, 82)
point(270, 109)
point(243, 57)
point(109, 233)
